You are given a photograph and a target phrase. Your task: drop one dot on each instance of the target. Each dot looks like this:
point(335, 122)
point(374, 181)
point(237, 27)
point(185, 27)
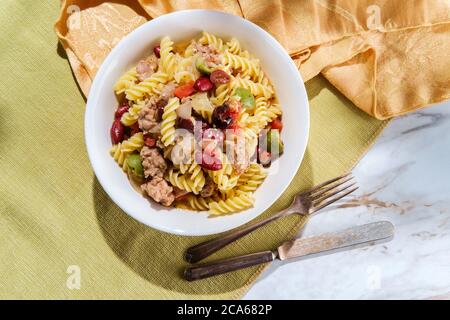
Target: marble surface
point(405, 179)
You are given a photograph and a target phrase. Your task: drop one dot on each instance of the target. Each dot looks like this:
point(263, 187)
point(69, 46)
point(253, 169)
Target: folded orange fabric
point(387, 57)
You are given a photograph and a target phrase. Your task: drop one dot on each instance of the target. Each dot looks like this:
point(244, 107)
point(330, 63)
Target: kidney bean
point(157, 51)
point(117, 131)
point(203, 84)
point(121, 109)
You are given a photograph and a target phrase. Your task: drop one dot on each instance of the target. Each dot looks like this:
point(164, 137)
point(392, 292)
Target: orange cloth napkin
point(388, 57)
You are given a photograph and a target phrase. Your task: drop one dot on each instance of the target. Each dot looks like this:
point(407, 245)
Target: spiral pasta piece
point(252, 178)
point(260, 77)
point(225, 178)
point(189, 51)
point(222, 94)
point(134, 143)
point(168, 122)
point(235, 48)
point(197, 203)
point(131, 116)
point(195, 174)
point(183, 181)
point(185, 70)
point(257, 89)
point(241, 201)
point(212, 40)
point(246, 66)
point(261, 111)
point(122, 150)
point(118, 155)
point(126, 81)
point(274, 111)
point(258, 120)
point(167, 61)
point(148, 87)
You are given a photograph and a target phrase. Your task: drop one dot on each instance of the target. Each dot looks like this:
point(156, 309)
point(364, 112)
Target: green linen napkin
point(56, 221)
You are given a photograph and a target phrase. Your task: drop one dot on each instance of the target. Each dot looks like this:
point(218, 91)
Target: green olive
point(134, 162)
point(247, 99)
point(202, 67)
point(274, 136)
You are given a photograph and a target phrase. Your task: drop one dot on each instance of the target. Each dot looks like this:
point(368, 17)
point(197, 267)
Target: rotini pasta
point(197, 203)
point(129, 118)
point(257, 89)
point(185, 70)
point(274, 111)
point(246, 66)
point(126, 81)
point(184, 181)
point(206, 168)
point(222, 94)
point(237, 203)
point(212, 40)
point(235, 48)
point(121, 150)
point(167, 62)
point(251, 179)
point(195, 174)
point(148, 87)
point(168, 122)
point(225, 178)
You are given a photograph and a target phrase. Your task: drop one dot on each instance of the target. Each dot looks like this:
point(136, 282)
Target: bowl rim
point(100, 76)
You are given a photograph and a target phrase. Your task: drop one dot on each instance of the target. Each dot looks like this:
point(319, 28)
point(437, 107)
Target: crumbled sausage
point(211, 56)
point(148, 117)
point(159, 190)
point(153, 162)
point(208, 188)
point(145, 68)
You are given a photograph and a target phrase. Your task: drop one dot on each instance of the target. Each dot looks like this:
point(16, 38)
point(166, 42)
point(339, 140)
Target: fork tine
point(318, 200)
point(322, 192)
point(340, 196)
point(323, 184)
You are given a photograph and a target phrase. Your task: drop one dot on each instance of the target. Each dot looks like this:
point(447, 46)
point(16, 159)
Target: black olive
point(160, 104)
point(221, 117)
point(185, 124)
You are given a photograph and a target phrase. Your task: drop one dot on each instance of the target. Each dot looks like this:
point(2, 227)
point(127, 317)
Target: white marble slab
point(404, 178)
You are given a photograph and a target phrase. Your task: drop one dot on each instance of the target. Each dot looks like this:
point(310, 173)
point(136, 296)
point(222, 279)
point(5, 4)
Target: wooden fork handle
point(211, 269)
point(205, 249)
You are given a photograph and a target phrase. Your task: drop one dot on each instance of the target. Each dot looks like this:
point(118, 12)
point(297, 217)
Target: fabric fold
point(388, 57)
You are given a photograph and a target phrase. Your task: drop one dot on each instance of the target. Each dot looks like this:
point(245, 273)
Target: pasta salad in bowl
point(201, 123)
point(196, 125)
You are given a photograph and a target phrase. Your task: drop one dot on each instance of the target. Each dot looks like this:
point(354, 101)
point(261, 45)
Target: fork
point(305, 203)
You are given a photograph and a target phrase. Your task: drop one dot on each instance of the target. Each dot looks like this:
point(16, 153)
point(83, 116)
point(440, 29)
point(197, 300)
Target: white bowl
point(185, 25)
